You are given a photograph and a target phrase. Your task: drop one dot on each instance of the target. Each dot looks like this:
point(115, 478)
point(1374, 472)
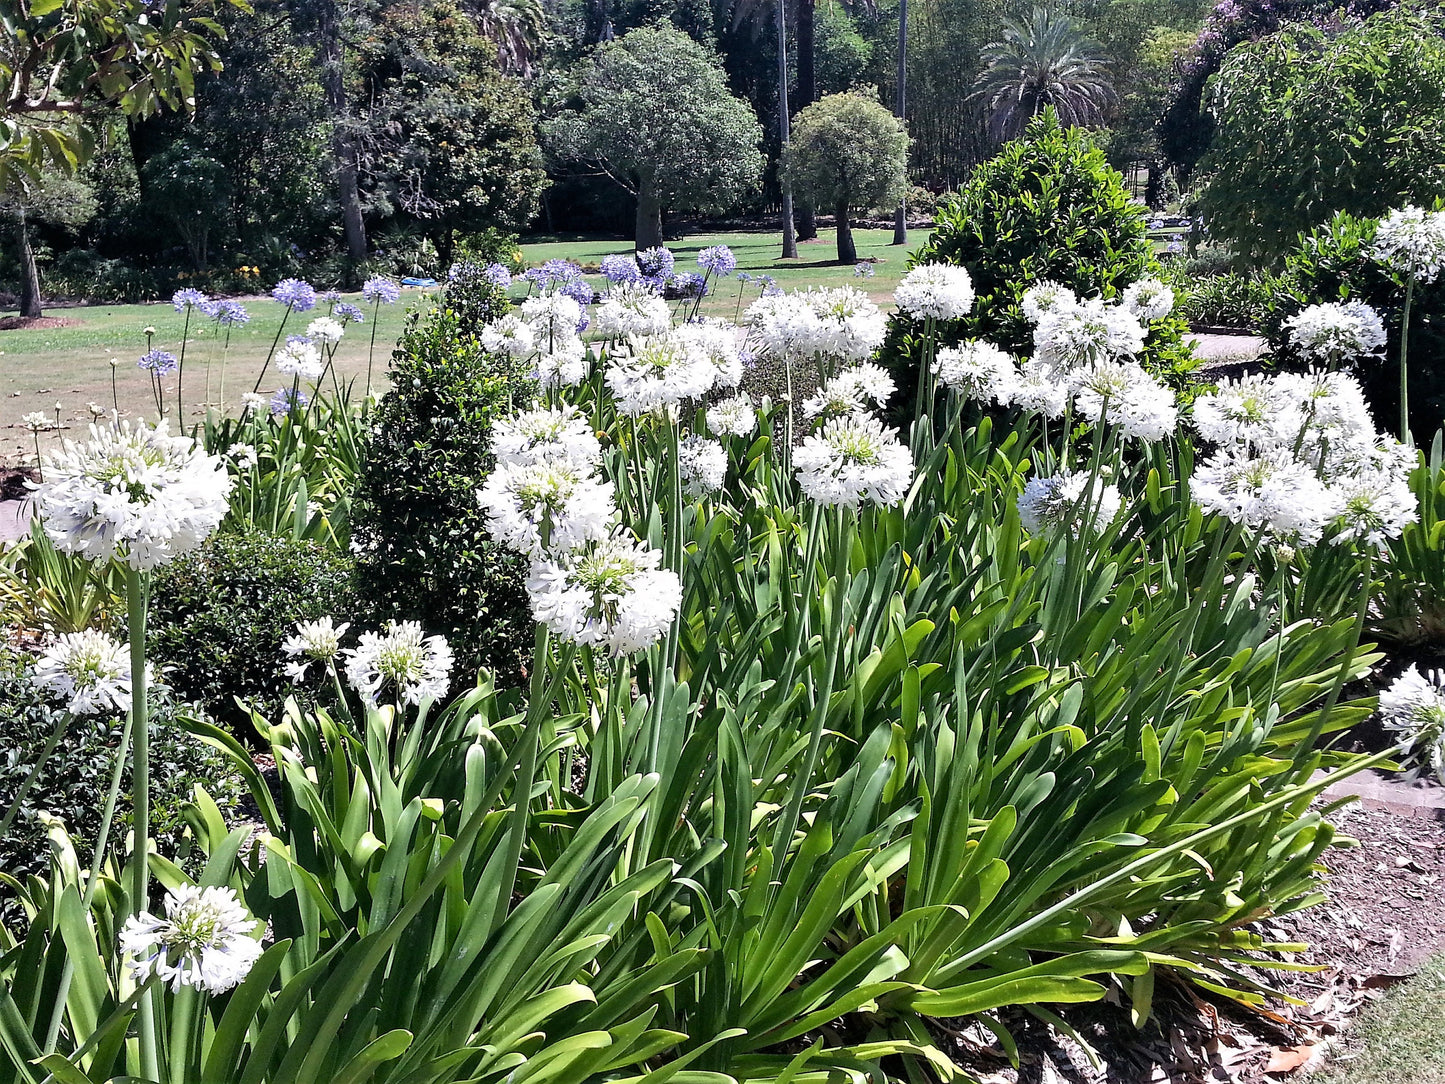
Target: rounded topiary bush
point(1331, 263)
point(219, 615)
point(1047, 207)
point(423, 551)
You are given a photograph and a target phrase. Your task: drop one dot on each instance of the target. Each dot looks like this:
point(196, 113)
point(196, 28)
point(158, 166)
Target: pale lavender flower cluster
point(717, 260)
point(226, 313)
point(380, 290)
point(498, 275)
point(620, 270)
point(295, 294)
point(188, 298)
point(348, 313)
point(656, 265)
point(160, 362)
point(285, 398)
point(690, 284)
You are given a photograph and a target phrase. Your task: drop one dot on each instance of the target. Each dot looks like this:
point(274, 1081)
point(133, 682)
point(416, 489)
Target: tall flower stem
point(371, 352)
point(272, 352)
point(1404, 364)
point(136, 590)
point(181, 369)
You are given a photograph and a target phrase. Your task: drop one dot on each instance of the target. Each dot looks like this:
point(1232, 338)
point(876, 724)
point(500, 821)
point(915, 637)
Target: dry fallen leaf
point(1288, 1059)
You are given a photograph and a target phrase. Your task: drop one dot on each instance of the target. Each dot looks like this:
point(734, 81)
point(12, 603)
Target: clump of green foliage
point(219, 615)
point(73, 783)
point(1312, 120)
point(423, 553)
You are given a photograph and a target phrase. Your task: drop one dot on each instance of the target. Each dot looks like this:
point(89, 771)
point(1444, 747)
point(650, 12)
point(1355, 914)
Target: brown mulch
point(35, 323)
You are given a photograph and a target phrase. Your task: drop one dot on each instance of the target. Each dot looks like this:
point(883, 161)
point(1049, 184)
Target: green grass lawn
point(1400, 1039)
point(71, 365)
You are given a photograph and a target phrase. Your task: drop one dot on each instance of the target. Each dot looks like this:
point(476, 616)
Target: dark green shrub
point(74, 782)
point(1047, 207)
point(1329, 264)
point(1228, 300)
point(423, 553)
point(218, 617)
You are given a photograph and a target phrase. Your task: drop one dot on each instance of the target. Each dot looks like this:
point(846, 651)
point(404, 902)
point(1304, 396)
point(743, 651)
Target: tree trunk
point(649, 219)
point(807, 95)
point(343, 151)
point(29, 273)
point(847, 251)
point(790, 237)
point(900, 216)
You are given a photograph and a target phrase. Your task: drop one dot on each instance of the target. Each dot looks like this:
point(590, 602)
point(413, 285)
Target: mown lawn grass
point(71, 365)
point(1400, 1039)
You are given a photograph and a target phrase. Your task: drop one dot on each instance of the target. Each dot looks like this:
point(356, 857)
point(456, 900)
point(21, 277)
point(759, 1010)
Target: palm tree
point(516, 27)
point(1044, 61)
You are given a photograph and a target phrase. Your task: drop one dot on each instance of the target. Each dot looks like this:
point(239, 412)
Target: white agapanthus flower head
point(546, 434)
point(300, 358)
point(1332, 410)
point(1075, 502)
point(206, 940)
point(1148, 299)
point(733, 417)
point(704, 466)
point(562, 362)
point(977, 370)
point(511, 336)
point(656, 374)
point(251, 400)
point(88, 670)
point(850, 328)
point(132, 493)
point(402, 662)
point(316, 641)
point(1376, 505)
point(853, 460)
point(1039, 388)
point(632, 309)
point(1254, 409)
point(1270, 490)
point(852, 391)
point(325, 329)
point(937, 291)
point(37, 421)
point(1044, 298)
point(1120, 392)
point(1335, 333)
point(1412, 709)
point(1411, 242)
point(553, 318)
point(718, 340)
point(1068, 336)
point(547, 505)
point(244, 456)
point(609, 594)
point(784, 325)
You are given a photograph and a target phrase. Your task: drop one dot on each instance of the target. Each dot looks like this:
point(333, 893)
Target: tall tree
point(1046, 60)
point(344, 161)
point(848, 153)
point(64, 63)
point(900, 216)
point(653, 112)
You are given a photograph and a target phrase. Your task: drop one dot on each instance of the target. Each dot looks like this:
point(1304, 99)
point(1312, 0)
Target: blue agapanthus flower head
point(656, 263)
point(578, 291)
point(862, 270)
point(331, 297)
point(1175, 247)
point(232, 314)
point(717, 260)
point(380, 290)
point(285, 398)
point(462, 270)
point(298, 340)
point(348, 313)
point(188, 298)
point(295, 294)
point(498, 274)
point(690, 284)
point(160, 362)
point(620, 270)
point(745, 277)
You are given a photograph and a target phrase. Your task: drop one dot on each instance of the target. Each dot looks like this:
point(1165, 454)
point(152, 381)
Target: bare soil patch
point(36, 323)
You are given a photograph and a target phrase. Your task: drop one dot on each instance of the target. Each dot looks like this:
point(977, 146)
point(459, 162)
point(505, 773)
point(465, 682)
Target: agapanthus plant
point(402, 663)
point(206, 941)
point(1412, 709)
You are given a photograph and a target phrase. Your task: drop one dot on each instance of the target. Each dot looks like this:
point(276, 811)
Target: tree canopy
point(1310, 121)
point(847, 153)
point(654, 113)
